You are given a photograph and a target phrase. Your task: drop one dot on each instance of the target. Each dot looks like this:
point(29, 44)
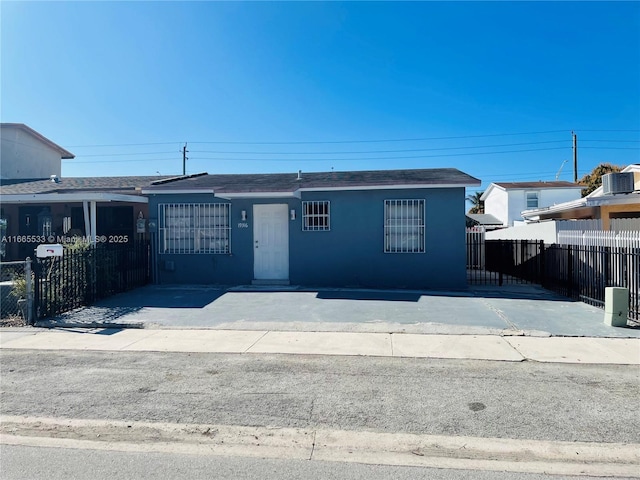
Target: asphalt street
point(524, 400)
point(28, 463)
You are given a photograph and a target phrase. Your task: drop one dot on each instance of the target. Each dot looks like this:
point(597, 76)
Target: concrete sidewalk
point(620, 351)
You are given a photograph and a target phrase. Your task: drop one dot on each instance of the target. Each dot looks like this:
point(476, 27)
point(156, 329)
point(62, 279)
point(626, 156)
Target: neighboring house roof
point(21, 126)
point(536, 185)
point(484, 219)
point(293, 182)
point(529, 186)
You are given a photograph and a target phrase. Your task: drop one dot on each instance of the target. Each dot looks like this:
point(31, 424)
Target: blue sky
point(277, 87)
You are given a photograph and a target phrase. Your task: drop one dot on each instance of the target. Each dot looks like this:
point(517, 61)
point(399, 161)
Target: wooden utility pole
point(184, 159)
point(575, 157)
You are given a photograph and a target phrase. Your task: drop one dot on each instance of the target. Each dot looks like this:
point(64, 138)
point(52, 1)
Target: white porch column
point(93, 223)
point(87, 225)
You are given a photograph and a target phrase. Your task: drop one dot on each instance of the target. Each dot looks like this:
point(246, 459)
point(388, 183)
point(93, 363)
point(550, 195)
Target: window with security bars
point(404, 226)
point(315, 216)
point(194, 227)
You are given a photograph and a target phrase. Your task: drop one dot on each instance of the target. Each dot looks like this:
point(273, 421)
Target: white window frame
point(194, 228)
point(526, 199)
point(404, 226)
point(316, 216)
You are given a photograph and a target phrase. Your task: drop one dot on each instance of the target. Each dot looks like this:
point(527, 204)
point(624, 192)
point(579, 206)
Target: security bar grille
point(404, 226)
point(194, 227)
point(315, 216)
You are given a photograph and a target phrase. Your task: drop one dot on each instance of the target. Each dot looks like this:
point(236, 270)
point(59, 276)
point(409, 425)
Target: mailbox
point(49, 250)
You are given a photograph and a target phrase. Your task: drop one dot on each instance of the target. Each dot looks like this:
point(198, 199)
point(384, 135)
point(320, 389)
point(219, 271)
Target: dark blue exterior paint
point(351, 254)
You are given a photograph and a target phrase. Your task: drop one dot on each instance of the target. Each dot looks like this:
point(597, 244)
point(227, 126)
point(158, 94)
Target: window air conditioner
point(613, 183)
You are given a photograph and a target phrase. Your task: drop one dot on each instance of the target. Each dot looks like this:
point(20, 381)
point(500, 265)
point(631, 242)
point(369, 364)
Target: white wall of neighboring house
point(497, 204)
point(507, 205)
point(24, 156)
point(546, 231)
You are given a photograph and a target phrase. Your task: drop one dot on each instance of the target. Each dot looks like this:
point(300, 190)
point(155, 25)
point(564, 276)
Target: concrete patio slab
point(324, 343)
point(477, 347)
point(625, 351)
point(201, 341)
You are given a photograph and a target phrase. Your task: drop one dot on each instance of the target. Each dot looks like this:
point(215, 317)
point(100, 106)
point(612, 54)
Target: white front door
point(270, 242)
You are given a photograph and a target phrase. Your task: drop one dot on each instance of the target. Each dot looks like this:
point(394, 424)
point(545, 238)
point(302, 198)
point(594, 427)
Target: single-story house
point(378, 229)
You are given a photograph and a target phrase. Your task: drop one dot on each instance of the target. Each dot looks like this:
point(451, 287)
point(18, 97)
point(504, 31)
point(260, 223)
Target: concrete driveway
point(508, 310)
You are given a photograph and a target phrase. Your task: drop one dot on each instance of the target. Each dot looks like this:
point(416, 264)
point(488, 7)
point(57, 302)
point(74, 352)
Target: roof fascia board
point(388, 187)
point(71, 197)
point(175, 191)
point(490, 189)
point(231, 196)
point(560, 207)
point(613, 200)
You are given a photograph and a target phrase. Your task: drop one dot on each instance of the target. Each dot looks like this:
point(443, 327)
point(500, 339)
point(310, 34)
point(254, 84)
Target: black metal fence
point(577, 272)
point(84, 275)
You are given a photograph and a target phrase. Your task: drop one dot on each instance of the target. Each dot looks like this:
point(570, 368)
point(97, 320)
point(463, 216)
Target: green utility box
point(616, 306)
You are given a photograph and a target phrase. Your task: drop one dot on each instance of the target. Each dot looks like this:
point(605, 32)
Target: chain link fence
point(16, 291)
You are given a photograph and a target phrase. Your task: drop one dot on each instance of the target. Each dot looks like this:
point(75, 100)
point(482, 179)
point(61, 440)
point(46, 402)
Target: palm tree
point(477, 205)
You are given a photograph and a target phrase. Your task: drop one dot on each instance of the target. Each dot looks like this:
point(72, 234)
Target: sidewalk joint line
point(140, 339)
point(254, 343)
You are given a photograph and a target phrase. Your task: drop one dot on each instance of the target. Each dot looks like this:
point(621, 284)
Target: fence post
point(29, 284)
point(541, 264)
point(569, 271)
point(607, 266)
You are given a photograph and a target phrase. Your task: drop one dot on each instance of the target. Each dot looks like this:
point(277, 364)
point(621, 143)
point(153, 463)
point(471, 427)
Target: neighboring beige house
point(26, 154)
point(618, 198)
point(506, 200)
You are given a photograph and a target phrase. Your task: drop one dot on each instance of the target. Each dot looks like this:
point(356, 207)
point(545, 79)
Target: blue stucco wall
point(350, 254)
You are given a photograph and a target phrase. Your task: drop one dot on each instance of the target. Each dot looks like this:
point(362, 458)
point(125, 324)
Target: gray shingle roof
point(78, 184)
point(484, 219)
point(288, 182)
point(240, 183)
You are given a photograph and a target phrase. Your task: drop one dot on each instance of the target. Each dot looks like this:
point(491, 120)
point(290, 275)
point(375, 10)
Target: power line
point(380, 151)
point(325, 142)
point(615, 148)
point(383, 141)
point(375, 158)
point(73, 162)
point(324, 159)
point(612, 141)
point(124, 154)
point(634, 131)
point(123, 145)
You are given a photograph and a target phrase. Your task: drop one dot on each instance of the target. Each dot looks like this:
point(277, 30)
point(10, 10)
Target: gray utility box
point(616, 306)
